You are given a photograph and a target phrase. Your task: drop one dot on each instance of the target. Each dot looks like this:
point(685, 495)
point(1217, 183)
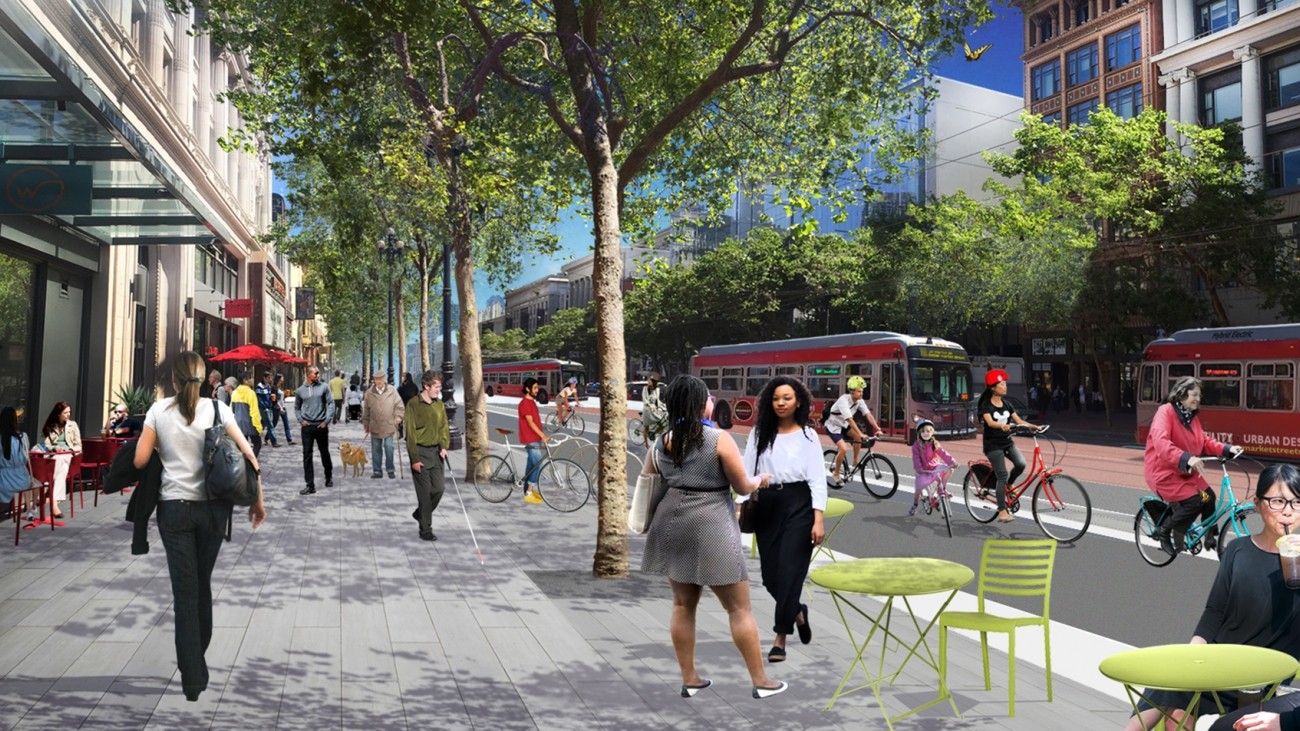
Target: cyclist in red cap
point(998, 415)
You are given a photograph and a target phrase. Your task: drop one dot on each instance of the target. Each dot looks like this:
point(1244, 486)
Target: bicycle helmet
point(995, 376)
point(573, 381)
point(856, 383)
point(923, 423)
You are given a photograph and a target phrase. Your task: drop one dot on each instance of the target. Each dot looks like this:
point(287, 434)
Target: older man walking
point(315, 409)
point(381, 413)
point(427, 435)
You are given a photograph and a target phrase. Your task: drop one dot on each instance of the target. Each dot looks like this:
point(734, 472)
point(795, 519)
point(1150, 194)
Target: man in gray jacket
point(315, 407)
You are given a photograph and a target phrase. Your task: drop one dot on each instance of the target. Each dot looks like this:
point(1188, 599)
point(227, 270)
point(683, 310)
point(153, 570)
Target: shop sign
point(45, 189)
point(238, 308)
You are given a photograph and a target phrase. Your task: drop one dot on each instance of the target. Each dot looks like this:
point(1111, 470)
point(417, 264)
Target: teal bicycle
point(1232, 512)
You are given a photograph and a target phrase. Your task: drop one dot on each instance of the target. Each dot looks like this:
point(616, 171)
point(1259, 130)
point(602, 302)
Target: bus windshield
point(938, 382)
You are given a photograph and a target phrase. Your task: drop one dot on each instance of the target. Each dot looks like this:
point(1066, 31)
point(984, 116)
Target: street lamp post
point(391, 248)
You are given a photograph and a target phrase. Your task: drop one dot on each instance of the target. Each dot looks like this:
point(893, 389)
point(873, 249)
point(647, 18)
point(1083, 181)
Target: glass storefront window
point(17, 298)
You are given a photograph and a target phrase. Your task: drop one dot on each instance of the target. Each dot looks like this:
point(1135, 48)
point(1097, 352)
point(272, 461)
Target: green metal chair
point(1009, 568)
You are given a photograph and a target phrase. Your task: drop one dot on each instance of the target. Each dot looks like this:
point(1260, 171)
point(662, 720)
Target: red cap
point(995, 376)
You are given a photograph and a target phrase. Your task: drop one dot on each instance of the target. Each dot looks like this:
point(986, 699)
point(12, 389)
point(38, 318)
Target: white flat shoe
point(761, 693)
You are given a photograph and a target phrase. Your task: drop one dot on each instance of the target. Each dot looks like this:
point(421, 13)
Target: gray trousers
point(428, 486)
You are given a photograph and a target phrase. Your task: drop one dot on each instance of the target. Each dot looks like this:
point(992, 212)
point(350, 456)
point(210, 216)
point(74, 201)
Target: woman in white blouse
point(790, 510)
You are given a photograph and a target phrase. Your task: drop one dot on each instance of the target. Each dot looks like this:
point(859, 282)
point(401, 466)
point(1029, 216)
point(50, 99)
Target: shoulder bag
point(646, 496)
point(748, 516)
point(226, 477)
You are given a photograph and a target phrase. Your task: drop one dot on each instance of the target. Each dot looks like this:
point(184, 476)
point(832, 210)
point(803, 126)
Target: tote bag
point(646, 496)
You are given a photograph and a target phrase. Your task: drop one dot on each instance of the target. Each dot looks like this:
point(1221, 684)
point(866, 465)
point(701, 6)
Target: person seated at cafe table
point(1249, 604)
point(121, 426)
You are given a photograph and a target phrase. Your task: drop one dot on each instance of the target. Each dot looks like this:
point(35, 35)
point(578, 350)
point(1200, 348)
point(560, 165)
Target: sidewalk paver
point(334, 615)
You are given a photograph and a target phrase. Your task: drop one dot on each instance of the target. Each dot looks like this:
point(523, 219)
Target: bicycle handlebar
point(1029, 431)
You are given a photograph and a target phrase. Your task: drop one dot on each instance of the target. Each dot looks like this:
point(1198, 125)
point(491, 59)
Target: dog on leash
point(354, 457)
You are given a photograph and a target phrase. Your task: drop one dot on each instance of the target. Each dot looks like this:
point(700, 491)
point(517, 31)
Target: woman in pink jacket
point(1173, 464)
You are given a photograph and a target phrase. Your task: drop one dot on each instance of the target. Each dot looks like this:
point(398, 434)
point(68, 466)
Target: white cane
point(456, 485)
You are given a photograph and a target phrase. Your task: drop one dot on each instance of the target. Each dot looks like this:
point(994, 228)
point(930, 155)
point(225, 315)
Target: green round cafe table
point(892, 578)
point(1199, 669)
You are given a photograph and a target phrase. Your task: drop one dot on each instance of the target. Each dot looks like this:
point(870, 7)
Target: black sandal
point(805, 629)
point(776, 654)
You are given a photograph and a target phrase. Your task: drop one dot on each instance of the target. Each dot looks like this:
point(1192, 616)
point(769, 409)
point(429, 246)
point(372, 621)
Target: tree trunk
point(1216, 304)
point(422, 262)
point(474, 404)
point(611, 558)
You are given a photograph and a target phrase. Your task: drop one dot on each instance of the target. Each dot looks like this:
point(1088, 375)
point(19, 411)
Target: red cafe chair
point(97, 454)
point(43, 470)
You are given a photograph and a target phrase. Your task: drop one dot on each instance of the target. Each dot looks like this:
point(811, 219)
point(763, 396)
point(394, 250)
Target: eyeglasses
point(1276, 504)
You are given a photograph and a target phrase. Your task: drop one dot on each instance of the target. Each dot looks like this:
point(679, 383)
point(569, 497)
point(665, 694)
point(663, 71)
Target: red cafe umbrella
point(255, 353)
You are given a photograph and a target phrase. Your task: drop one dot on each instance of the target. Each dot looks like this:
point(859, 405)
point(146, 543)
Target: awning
point(55, 124)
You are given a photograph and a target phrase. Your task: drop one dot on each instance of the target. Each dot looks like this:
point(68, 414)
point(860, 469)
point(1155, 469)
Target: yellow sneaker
point(533, 498)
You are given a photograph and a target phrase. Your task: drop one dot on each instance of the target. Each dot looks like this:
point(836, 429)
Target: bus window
point(824, 387)
point(864, 370)
point(731, 378)
point(1150, 379)
point(940, 383)
point(792, 371)
point(1221, 384)
point(757, 379)
point(1175, 371)
point(710, 378)
point(1270, 386)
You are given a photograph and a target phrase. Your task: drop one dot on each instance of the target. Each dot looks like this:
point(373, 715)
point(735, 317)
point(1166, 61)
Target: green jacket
point(425, 424)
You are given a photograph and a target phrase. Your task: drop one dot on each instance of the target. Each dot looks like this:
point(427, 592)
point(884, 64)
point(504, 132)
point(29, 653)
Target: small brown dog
point(354, 457)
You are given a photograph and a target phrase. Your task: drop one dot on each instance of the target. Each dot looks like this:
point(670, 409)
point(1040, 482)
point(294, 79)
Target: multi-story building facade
point(1081, 55)
point(126, 225)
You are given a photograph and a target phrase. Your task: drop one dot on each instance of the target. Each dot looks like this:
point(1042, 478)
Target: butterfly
point(975, 55)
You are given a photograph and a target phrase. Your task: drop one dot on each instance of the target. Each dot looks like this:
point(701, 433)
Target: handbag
point(226, 477)
point(748, 517)
point(646, 496)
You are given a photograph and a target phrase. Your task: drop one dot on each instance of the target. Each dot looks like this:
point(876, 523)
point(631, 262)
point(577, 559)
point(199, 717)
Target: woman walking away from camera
point(1172, 464)
point(790, 507)
point(694, 538)
point(998, 416)
point(191, 526)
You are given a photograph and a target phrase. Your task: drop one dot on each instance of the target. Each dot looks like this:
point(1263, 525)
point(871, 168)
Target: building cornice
point(1264, 33)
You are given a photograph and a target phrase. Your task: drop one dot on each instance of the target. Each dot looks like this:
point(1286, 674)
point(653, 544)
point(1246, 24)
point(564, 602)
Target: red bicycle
point(1061, 506)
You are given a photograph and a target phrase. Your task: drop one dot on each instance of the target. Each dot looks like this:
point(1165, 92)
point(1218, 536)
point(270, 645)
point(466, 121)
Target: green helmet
point(857, 383)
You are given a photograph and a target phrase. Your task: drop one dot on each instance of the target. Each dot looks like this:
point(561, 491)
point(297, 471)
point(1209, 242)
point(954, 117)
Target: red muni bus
point(906, 376)
point(506, 379)
point(1249, 374)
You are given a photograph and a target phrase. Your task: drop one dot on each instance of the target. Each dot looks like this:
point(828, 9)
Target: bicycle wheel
point(946, 510)
point(552, 423)
point(828, 457)
point(879, 477)
point(1144, 530)
point(564, 485)
point(978, 490)
point(1062, 508)
point(575, 424)
point(635, 431)
point(493, 478)
point(1249, 521)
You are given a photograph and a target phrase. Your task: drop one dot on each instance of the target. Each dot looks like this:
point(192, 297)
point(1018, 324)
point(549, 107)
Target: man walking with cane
point(427, 436)
point(381, 413)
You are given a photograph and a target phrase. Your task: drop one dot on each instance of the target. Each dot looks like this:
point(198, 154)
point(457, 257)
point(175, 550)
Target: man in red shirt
point(531, 436)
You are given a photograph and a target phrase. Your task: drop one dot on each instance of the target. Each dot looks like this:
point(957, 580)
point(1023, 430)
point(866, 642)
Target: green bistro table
point(893, 578)
point(1198, 669)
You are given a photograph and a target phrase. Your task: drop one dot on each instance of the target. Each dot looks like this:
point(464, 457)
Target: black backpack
point(826, 411)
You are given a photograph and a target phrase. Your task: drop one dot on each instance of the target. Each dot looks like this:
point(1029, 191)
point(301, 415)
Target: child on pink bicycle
point(929, 460)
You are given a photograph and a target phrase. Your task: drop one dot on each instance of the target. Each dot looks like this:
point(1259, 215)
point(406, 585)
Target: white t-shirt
point(180, 446)
point(793, 457)
point(843, 410)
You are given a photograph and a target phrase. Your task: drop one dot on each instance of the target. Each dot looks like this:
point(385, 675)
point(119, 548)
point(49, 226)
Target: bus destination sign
point(929, 352)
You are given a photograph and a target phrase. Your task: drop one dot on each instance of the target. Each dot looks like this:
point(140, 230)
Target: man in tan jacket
point(381, 413)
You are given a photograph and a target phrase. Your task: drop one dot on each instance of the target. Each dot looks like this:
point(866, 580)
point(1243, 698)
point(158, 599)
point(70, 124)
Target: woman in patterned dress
point(694, 538)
